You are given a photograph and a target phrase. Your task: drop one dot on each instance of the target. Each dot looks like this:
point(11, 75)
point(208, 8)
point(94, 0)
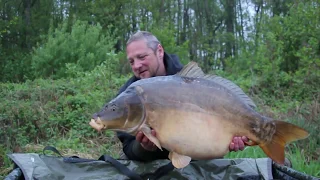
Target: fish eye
point(113, 107)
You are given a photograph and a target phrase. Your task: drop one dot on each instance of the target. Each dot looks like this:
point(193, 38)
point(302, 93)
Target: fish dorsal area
point(192, 72)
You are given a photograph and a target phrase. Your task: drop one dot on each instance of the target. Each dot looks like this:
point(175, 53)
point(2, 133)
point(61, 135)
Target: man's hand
point(145, 142)
point(238, 143)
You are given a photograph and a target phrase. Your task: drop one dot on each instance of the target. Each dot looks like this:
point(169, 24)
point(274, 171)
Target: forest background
point(61, 60)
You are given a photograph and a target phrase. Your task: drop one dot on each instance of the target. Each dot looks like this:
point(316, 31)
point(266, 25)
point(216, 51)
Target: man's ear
point(160, 50)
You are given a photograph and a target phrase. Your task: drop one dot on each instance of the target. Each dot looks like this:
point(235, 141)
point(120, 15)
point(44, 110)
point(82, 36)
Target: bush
point(86, 46)
point(284, 61)
point(39, 110)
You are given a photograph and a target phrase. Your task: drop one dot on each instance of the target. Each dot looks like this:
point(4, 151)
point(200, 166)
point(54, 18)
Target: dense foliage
point(60, 61)
point(86, 46)
point(43, 109)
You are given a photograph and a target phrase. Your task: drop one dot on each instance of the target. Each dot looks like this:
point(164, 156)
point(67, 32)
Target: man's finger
point(145, 140)
point(241, 144)
point(245, 139)
point(139, 136)
point(231, 146)
point(150, 144)
point(236, 144)
point(153, 132)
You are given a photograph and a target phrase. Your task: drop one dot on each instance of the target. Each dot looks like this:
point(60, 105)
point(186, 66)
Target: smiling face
point(144, 62)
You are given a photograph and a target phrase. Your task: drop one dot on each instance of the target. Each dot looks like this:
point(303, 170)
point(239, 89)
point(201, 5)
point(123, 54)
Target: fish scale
point(189, 106)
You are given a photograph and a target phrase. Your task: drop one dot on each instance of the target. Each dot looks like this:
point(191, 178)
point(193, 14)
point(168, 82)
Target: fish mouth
point(97, 124)
point(130, 126)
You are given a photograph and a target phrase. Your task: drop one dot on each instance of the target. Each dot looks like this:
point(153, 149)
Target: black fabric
point(31, 166)
point(72, 159)
point(15, 174)
point(75, 159)
point(282, 172)
point(159, 172)
point(51, 148)
point(131, 147)
point(120, 167)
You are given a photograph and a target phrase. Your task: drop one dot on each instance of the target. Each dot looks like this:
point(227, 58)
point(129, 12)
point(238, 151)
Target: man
point(148, 59)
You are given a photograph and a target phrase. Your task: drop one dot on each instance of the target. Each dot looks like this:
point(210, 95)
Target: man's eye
point(142, 57)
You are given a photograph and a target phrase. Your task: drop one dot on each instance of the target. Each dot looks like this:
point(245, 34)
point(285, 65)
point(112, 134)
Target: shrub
point(86, 46)
point(42, 109)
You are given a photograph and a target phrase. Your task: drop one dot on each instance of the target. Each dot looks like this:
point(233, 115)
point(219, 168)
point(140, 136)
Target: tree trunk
point(27, 20)
point(241, 33)
point(230, 47)
point(185, 21)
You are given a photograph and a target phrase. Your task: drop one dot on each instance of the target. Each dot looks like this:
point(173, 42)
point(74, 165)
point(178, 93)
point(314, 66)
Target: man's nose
point(136, 65)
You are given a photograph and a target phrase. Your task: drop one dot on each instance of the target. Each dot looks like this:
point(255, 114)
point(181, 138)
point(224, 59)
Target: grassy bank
point(56, 113)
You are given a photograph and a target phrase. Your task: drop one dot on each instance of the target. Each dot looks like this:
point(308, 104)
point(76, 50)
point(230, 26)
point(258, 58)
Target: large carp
point(195, 116)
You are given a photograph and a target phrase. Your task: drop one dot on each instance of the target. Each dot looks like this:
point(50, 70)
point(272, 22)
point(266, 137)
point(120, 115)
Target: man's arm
point(135, 151)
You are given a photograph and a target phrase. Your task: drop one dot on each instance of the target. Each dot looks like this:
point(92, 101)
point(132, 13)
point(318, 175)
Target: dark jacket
point(132, 148)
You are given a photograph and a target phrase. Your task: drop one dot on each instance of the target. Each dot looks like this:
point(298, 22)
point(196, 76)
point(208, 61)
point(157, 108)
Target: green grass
point(299, 160)
point(302, 162)
point(75, 144)
point(248, 152)
point(38, 114)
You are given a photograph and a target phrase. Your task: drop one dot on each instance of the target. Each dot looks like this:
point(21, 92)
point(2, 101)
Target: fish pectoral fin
point(178, 160)
point(147, 132)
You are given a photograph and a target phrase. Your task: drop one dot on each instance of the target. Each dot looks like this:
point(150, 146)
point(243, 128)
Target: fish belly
point(198, 135)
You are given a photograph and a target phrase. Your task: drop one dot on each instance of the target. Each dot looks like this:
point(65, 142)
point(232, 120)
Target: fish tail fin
point(285, 133)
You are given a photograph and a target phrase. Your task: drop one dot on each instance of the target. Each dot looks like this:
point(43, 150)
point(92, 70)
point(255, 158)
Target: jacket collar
point(172, 63)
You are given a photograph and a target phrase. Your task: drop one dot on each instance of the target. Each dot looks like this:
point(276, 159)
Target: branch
point(218, 26)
